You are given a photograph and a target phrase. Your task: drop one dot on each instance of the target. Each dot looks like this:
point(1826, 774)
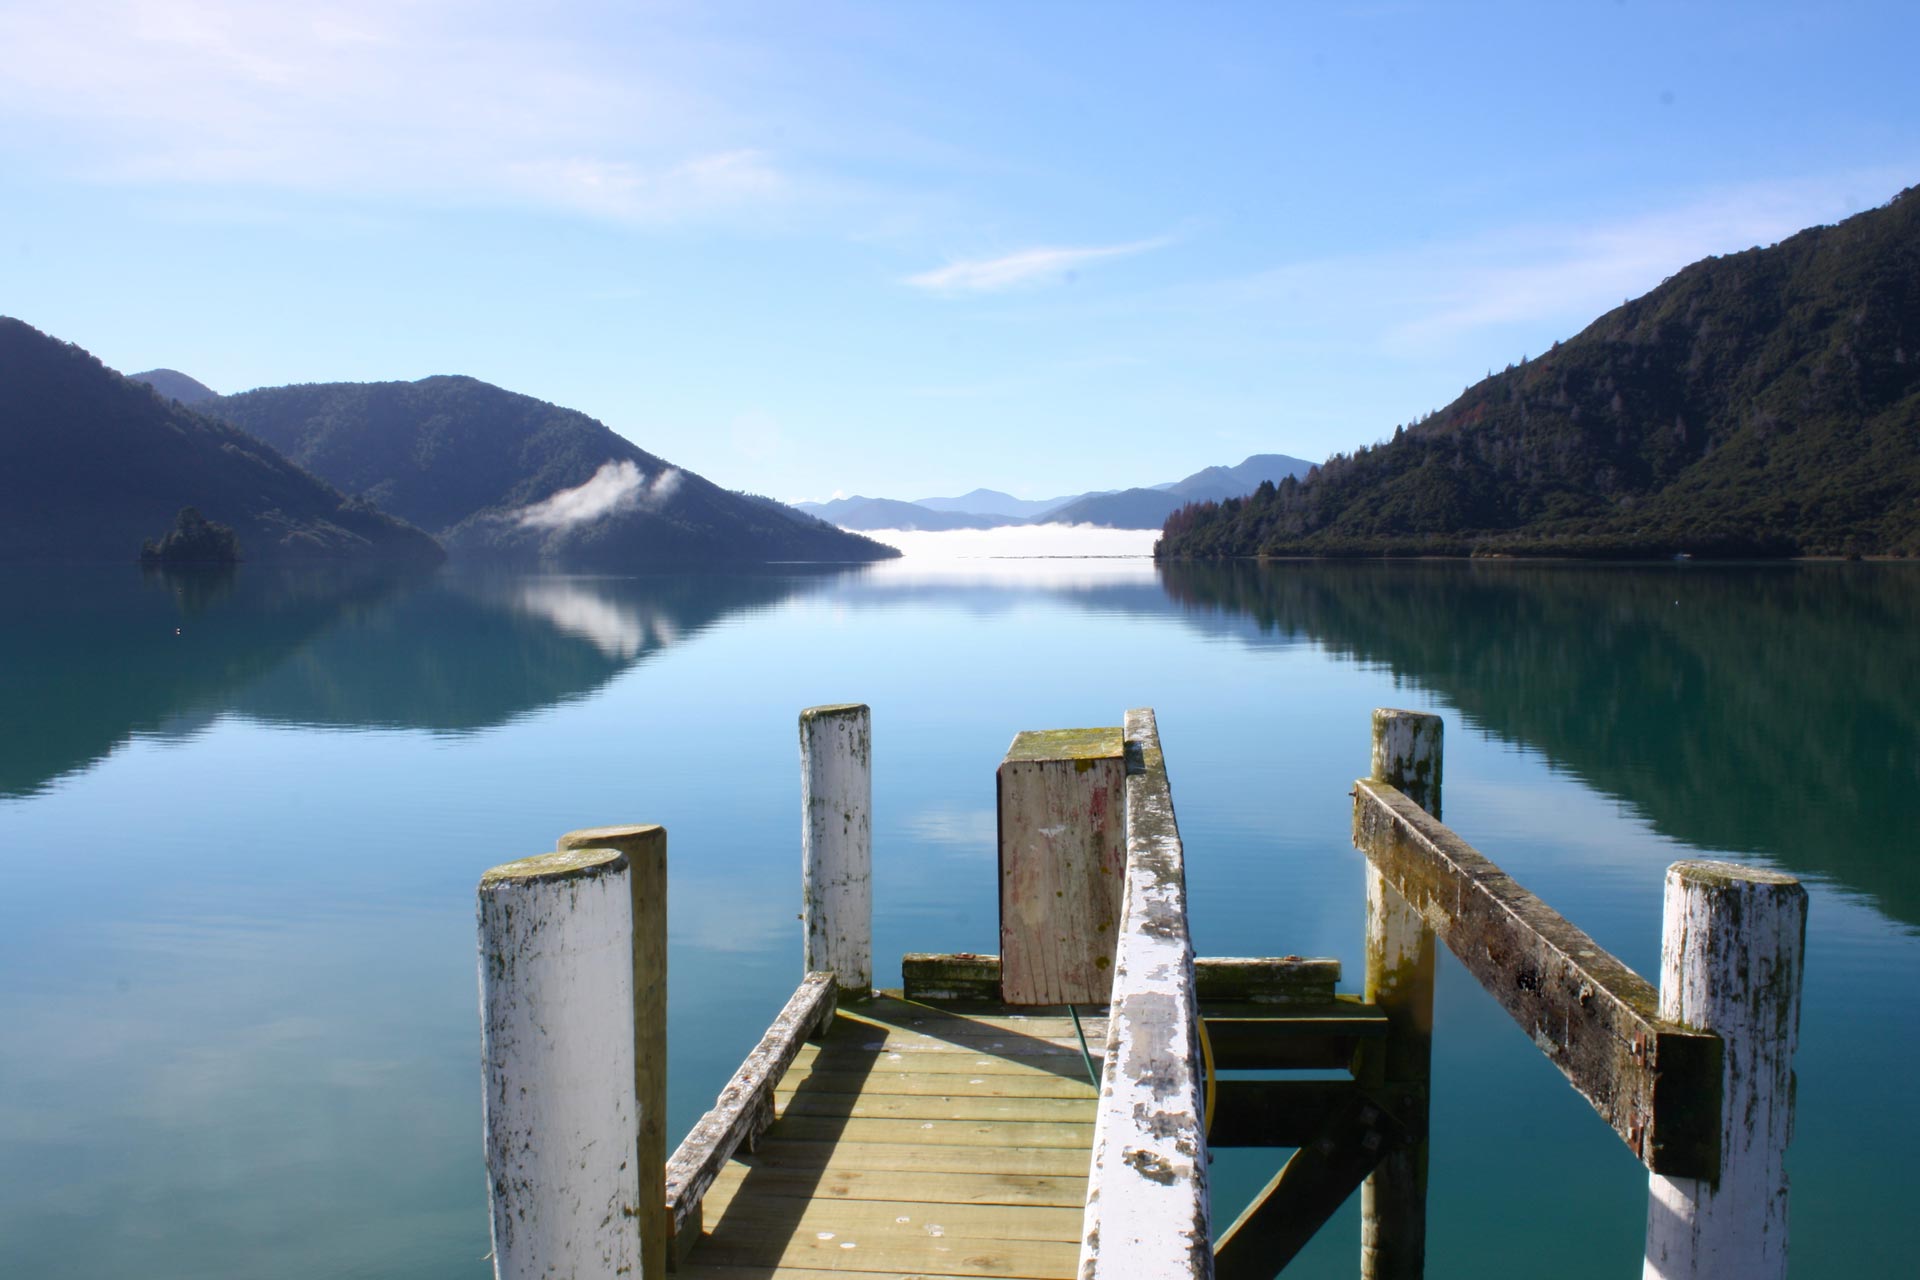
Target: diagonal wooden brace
point(1308, 1190)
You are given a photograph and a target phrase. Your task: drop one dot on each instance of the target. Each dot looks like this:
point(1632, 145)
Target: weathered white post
point(1731, 959)
point(836, 841)
point(645, 848)
point(556, 1012)
point(1400, 958)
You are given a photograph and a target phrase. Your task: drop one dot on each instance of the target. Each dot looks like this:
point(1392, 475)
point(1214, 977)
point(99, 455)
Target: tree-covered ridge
point(488, 470)
point(176, 385)
point(194, 539)
point(92, 465)
point(1764, 403)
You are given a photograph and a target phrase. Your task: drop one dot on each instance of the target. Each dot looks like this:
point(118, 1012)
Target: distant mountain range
point(495, 473)
point(1142, 508)
point(1761, 404)
point(93, 464)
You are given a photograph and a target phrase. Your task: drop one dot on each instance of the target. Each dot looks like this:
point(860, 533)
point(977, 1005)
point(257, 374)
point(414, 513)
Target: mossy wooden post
point(1731, 959)
point(645, 848)
point(556, 1008)
point(1400, 958)
point(1063, 862)
point(836, 816)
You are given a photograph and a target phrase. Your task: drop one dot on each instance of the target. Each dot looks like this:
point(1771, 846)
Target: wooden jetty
point(1047, 1110)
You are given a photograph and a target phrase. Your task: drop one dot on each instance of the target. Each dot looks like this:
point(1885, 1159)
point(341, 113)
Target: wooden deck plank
point(956, 1255)
point(949, 1062)
point(837, 1182)
point(695, 1271)
point(1026, 1084)
point(748, 1214)
point(913, 1141)
point(957, 1133)
point(882, 1106)
point(910, 1157)
point(873, 1038)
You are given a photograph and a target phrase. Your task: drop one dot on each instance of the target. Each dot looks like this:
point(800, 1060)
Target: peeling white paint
point(556, 1011)
point(836, 814)
point(1731, 958)
point(1147, 1202)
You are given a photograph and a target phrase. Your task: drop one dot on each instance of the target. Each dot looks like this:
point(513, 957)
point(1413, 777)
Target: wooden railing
point(1695, 1076)
point(1147, 1203)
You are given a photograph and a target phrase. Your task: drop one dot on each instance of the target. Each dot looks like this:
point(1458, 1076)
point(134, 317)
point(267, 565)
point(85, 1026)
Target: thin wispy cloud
point(1024, 269)
point(1435, 298)
point(366, 98)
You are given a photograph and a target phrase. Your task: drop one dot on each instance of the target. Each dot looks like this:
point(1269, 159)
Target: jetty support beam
point(1732, 956)
point(1400, 971)
point(836, 843)
point(562, 1123)
point(1147, 1206)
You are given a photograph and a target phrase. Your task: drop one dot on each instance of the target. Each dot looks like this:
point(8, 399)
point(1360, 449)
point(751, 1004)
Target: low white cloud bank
point(1060, 555)
point(615, 488)
point(1027, 267)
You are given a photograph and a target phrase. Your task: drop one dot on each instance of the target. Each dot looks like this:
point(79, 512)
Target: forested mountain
point(496, 473)
point(1763, 403)
point(93, 465)
point(176, 385)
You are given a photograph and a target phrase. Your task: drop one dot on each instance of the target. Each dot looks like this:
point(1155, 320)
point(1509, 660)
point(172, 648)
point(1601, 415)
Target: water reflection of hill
point(468, 652)
point(1772, 710)
point(97, 658)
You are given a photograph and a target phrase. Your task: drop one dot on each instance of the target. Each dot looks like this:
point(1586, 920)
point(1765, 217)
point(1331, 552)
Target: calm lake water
point(241, 823)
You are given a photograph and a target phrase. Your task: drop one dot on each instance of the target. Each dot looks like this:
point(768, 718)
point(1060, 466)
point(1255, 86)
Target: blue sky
point(907, 249)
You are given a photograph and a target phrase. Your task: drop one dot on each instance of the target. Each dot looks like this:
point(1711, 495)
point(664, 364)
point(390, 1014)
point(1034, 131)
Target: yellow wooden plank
point(970, 1035)
point(837, 1182)
point(1025, 1084)
point(877, 1106)
point(695, 1271)
point(741, 1213)
point(970, 1133)
point(850, 1153)
point(949, 1062)
point(943, 1254)
point(901, 1013)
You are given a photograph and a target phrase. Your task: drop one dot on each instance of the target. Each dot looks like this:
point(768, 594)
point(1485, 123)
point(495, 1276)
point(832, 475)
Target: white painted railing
point(1147, 1204)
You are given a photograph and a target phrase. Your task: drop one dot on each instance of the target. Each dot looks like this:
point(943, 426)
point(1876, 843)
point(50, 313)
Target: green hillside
point(93, 465)
point(501, 474)
point(1765, 403)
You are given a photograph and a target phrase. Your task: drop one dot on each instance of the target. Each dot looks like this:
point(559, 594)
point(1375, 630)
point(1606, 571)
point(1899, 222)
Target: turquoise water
point(241, 821)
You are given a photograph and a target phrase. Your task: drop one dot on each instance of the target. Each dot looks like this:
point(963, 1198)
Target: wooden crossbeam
point(1307, 1037)
point(1292, 1113)
point(1254, 979)
point(1657, 1083)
